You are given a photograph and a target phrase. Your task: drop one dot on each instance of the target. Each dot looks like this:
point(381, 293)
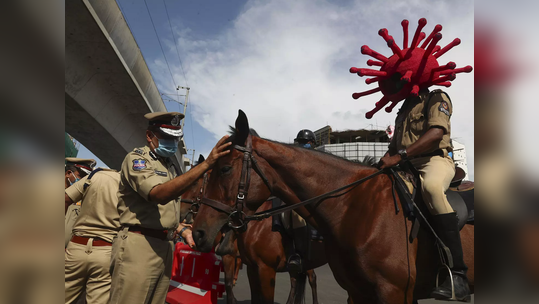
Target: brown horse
point(262, 251)
point(366, 239)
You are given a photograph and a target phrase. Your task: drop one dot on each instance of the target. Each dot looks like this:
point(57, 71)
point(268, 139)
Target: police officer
point(88, 254)
point(75, 169)
point(422, 135)
point(300, 230)
point(149, 210)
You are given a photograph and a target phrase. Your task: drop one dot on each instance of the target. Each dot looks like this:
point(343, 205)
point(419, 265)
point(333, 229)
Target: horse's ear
point(201, 158)
point(242, 129)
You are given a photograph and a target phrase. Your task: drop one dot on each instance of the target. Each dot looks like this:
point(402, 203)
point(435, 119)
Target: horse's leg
point(312, 283)
point(228, 265)
point(297, 288)
point(262, 283)
point(237, 269)
point(292, 289)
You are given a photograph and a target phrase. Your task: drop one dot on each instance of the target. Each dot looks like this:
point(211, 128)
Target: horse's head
point(191, 197)
point(235, 189)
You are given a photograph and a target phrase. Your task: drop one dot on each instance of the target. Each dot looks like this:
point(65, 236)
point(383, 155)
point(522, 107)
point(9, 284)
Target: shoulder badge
point(139, 164)
point(140, 151)
point(444, 108)
point(175, 120)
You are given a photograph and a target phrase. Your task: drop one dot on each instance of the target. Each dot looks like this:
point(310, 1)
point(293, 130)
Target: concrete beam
point(108, 86)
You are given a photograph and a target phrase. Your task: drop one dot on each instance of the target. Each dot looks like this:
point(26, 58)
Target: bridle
point(237, 219)
point(195, 204)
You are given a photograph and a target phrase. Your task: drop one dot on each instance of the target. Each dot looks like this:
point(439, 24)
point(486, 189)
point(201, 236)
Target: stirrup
point(444, 266)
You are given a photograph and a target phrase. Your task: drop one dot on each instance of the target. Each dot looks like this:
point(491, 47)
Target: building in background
point(71, 146)
point(459, 156)
point(353, 145)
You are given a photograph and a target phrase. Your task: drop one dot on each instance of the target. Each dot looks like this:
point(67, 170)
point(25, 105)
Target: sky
point(285, 63)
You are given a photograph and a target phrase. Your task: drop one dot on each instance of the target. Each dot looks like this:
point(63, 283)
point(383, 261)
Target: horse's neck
point(306, 173)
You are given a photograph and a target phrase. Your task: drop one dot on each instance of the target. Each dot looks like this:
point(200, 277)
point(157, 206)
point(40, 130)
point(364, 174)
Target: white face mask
point(76, 179)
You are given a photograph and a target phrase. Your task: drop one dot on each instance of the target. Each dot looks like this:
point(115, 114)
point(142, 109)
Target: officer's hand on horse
point(220, 150)
point(389, 161)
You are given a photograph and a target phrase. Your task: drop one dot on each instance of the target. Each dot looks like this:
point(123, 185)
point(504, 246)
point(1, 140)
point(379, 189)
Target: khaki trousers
point(436, 173)
point(87, 267)
point(141, 267)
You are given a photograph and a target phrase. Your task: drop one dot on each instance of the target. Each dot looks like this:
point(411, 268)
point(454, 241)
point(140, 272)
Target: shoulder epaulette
point(139, 151)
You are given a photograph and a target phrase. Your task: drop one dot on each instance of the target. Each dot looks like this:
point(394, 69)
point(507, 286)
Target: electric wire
point(175, 43)
point(161, 46)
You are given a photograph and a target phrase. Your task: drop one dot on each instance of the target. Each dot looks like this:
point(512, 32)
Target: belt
point(439, 152)
point(83, 240)
point(155, 233)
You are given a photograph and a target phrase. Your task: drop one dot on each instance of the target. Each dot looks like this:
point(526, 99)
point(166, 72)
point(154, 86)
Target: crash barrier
point(195, 277)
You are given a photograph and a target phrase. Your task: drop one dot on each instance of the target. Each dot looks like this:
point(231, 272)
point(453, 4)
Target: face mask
point(76, 179)
point(308, 146)
point(167, 147)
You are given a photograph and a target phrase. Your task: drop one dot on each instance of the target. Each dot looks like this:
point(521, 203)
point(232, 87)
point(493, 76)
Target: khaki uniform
point(87, 266)
point(70, 218)
point(141, 265)
point(416, 116)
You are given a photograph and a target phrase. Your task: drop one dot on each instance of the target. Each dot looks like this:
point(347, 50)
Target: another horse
point(366, 239)
point(262, 251)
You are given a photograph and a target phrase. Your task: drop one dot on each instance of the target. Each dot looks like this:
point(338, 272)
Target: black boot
point(294, 264)
point(293, 259)
point(446, 226)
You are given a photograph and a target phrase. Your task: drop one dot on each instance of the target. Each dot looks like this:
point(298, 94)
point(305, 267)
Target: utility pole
point(185, 103)
point(193, 158)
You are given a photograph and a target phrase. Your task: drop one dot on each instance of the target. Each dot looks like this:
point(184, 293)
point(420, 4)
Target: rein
point(236, 214)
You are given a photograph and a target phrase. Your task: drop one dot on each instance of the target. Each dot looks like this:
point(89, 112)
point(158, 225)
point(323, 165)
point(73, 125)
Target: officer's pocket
point(417, 122)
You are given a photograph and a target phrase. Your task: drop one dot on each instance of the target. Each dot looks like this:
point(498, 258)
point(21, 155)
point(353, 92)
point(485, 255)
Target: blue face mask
point(308, 146)
point(167, 147)
point(76, 179)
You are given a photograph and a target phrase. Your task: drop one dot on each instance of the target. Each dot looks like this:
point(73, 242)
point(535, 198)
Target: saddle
point(461, 199)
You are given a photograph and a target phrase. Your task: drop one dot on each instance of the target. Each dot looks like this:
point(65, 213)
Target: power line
point(191, 121)
point(159, 40)
point(175, 44)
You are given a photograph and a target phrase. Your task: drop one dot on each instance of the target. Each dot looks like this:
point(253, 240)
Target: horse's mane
point(367, 162)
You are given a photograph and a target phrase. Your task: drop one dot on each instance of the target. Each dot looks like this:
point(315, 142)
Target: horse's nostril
point(198, 236)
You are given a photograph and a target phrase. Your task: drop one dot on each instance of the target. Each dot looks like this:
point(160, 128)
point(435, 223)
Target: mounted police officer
point(422, 136)
point(148, 204)
point(302, 233)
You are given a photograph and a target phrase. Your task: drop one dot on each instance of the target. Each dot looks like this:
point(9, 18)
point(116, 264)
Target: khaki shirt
point(98, 215)
point(141, 171)
point(417, 115)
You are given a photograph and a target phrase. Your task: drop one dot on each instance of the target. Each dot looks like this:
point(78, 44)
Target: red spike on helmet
point(409, 69)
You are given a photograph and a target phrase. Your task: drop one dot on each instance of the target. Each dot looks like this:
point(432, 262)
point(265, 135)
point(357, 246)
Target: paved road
point(329, 292)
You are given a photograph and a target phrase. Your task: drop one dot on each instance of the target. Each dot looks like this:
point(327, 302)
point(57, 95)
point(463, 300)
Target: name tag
point(161, 173)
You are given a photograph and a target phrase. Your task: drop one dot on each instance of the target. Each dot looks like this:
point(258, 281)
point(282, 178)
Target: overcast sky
point(285, 63)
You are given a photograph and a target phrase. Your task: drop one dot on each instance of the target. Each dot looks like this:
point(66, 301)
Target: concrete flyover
point(108, 86)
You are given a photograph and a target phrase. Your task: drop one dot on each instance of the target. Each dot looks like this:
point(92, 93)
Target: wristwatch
point(403, 154)
point(181, 231)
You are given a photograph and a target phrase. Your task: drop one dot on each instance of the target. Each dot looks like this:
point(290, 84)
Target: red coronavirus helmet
point(408, 70)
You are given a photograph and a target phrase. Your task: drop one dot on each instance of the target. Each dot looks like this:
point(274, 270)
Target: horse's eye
point(226, 170)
